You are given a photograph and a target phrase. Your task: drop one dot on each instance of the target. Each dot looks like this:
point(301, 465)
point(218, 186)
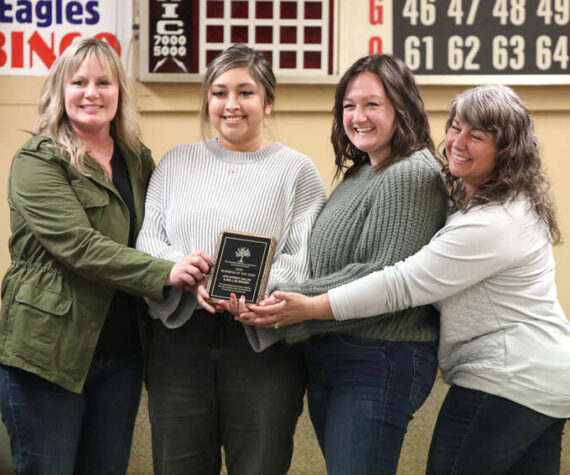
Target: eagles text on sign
point(34, 33)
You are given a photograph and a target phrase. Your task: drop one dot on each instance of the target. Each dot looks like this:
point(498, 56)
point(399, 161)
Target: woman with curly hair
point(504, 340)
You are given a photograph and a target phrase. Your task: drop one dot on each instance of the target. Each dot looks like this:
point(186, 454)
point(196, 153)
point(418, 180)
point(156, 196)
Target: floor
point(307, 458)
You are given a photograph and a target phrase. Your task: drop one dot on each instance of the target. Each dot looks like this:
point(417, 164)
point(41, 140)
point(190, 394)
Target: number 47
point(455, 10)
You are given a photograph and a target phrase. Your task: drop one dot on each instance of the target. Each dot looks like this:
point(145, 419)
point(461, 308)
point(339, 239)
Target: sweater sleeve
point(152, 237)
point(410, 207)
point(176, 308)
point(478, 246)
point(293, 264)
point(42, 194)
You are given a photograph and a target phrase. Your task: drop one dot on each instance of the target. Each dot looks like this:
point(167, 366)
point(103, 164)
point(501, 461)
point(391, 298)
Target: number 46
point(424, 10)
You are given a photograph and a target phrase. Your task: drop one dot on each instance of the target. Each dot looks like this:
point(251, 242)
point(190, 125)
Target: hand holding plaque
point(241, 267)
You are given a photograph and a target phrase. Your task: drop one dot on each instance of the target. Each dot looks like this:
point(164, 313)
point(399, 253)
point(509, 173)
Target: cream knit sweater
point(201, 189)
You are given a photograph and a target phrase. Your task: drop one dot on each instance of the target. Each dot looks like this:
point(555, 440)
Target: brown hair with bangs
point(518, 165)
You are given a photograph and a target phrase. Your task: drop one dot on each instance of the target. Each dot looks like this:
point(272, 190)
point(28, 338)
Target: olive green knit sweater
point(372, 220)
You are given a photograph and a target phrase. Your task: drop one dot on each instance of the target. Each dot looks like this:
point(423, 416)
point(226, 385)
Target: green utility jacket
point(69, 254)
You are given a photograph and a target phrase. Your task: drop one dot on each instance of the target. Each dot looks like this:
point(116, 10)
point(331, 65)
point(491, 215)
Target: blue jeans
point(362, 394)
point(207, 389)
point(57, 432)
point(477, 433)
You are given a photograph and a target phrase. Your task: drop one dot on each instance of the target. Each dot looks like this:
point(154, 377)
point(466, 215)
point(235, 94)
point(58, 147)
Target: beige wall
point(169, 116)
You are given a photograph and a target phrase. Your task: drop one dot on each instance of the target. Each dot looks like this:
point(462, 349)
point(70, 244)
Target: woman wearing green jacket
point(70, 349)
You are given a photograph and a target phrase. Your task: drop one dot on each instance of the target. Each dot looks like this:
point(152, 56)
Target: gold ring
point(276, 325)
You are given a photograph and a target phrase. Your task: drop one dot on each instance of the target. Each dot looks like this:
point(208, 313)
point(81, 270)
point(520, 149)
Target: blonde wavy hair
point(53, 120)
point(518, 164)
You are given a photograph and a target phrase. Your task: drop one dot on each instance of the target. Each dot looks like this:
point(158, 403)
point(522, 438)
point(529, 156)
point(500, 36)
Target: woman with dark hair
point(211, 381)
point(504, 341)
point(368, 376)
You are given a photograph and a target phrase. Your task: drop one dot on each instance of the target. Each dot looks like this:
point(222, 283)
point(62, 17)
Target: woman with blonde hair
point(71, 361)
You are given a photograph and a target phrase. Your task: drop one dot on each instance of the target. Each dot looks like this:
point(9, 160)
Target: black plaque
point(241, 267)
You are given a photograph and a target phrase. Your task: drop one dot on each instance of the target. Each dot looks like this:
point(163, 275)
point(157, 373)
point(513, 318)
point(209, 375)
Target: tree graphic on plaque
point(242, 252)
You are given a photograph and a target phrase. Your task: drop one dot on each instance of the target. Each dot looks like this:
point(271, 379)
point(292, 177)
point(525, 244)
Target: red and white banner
point(33, 33)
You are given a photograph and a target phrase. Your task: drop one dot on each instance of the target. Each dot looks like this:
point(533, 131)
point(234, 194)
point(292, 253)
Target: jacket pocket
point(94, 200)
point(43, 299)
point(39, 317)
point(89, 195)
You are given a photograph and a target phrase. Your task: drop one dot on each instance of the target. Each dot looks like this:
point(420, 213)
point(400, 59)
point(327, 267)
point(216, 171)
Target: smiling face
point(471, 154)
point(236, 109)
point(91, 98)
point(368, 116)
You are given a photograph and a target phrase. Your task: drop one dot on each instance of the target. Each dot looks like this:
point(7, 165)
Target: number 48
point(510, 10)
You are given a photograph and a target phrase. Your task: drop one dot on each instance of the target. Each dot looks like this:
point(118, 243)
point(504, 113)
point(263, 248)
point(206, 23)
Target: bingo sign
point(442, 41)
point(34, 33)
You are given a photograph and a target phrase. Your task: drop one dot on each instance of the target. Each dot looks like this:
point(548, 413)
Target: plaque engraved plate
point(242, 265)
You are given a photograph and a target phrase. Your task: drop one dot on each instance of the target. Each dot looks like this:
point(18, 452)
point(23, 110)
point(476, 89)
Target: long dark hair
point(412, 127)
point(518, 165)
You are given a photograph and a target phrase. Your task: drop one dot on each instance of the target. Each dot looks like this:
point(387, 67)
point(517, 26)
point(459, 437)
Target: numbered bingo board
point(493, 38)
point(442, 41)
